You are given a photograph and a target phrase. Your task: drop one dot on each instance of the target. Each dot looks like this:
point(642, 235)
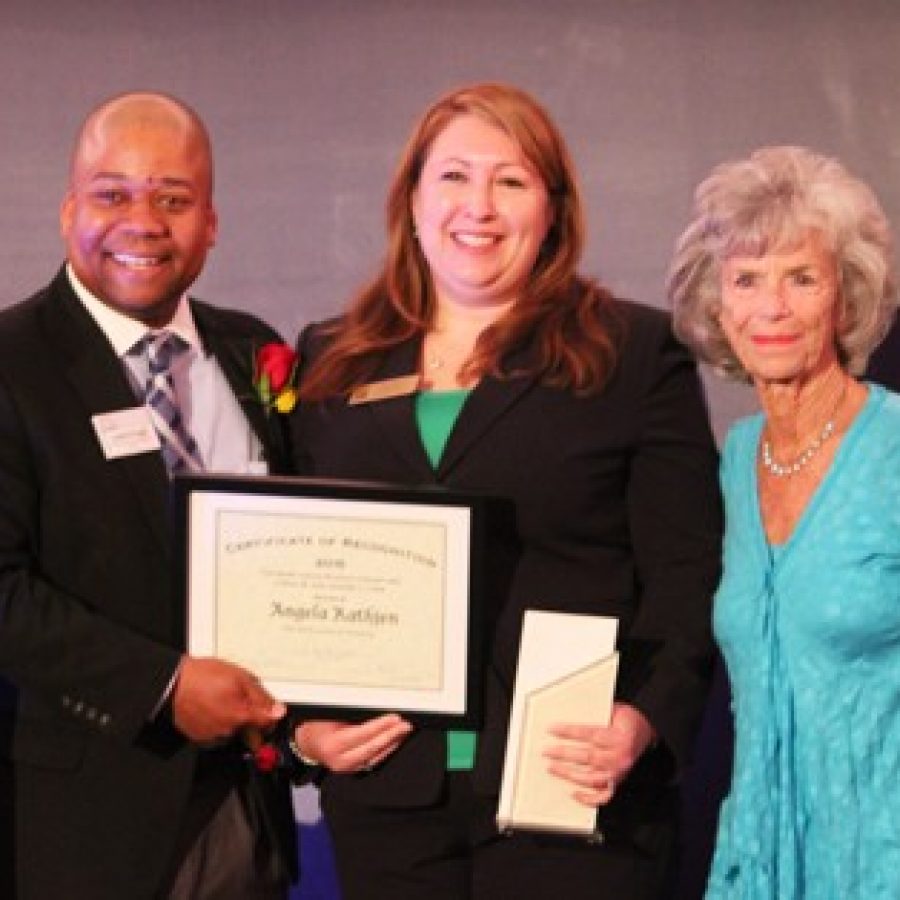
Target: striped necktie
point(178, 447)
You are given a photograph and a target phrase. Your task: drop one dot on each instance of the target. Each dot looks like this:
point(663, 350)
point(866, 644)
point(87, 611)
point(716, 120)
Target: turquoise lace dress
point(810, 631)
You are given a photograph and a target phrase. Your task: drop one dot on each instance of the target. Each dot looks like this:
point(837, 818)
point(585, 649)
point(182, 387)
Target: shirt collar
point(122, 331)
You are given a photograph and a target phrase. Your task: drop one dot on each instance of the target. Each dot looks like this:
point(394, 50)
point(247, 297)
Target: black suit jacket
point(884, 365)
point(91, 624)
point(617, 513)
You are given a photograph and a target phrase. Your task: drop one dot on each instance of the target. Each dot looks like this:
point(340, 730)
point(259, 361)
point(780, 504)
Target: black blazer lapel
point(396, 417)
point(96, 374)
point(489, 400)
point(235, 354)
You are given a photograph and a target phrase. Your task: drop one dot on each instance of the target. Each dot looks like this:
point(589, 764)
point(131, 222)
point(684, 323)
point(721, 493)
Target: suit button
point(66, 701)
point(78, 708)
point(104, 720)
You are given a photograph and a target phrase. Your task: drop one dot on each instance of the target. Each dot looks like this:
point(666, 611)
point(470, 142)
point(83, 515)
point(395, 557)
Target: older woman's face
point(779, 311)
point(481, 213)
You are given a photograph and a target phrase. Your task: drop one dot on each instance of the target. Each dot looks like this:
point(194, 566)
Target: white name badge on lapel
point(125, 432)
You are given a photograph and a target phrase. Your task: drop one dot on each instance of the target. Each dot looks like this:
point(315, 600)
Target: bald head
point(138, 217)
point(127, 116)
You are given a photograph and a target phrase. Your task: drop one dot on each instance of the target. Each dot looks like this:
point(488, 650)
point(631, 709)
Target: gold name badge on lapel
point(402, 386)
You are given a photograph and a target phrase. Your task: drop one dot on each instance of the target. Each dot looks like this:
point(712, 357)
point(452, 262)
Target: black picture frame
point(198, 503)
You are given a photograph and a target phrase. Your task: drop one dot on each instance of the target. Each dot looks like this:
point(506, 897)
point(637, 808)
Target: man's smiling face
point(138, 218)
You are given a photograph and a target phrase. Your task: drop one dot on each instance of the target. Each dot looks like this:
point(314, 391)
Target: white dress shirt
point(210, 411)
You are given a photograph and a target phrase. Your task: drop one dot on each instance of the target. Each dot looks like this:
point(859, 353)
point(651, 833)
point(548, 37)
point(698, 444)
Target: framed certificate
point(345, 599)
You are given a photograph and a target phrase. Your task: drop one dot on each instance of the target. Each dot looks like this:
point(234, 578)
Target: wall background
point(309, 103)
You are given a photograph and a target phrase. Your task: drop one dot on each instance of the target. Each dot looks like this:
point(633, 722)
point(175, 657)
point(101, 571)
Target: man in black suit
point(121, 773)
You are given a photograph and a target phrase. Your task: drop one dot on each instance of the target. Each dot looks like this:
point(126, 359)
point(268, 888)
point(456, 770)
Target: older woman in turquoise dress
point(784, 278)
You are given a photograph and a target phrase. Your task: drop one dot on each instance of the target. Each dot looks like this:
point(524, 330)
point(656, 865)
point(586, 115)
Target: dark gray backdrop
point(309, 102)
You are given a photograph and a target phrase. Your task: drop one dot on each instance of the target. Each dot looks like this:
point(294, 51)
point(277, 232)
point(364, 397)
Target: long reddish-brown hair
point(566, 319)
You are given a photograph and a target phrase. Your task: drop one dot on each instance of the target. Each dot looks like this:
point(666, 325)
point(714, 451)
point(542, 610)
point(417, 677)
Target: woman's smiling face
point(481, 212)
point(780, 311)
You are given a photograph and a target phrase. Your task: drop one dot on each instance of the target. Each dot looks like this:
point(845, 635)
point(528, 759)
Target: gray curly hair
point(770, 202)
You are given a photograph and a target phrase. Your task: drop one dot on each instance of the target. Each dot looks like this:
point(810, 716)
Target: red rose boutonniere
point(266, 758)
point(274, 375)
point(264, 754)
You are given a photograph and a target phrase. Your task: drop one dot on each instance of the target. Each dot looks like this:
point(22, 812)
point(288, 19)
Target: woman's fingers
point(352, 747)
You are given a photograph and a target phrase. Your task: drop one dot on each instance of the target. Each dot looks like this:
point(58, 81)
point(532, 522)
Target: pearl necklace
point(803, 460)
point(784, 471)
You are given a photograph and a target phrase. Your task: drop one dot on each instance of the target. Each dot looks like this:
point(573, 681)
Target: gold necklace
point(434, 361)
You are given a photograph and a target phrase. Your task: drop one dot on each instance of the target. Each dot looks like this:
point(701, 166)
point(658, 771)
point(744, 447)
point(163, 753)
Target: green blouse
point(436, 414)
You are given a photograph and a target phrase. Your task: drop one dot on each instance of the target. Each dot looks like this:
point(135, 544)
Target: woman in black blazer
point(535, 384)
